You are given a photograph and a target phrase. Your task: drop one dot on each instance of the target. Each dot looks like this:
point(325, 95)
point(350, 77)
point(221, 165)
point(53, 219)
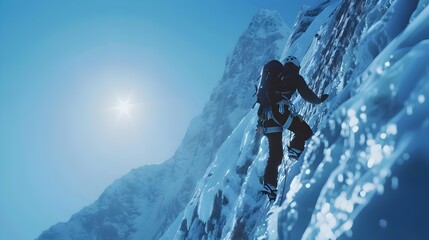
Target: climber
point(277, 85)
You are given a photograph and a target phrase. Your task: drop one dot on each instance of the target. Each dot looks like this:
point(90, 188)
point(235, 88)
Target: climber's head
point(292, 64)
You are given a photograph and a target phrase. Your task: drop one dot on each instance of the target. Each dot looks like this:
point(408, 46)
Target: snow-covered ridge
point(364, 173)
point(143, 203)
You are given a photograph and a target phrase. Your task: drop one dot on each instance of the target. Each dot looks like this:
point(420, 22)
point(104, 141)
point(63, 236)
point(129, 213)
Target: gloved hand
point(324, 97)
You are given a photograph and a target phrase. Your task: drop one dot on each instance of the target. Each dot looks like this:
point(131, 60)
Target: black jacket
point(291, 82)
point(294, 82)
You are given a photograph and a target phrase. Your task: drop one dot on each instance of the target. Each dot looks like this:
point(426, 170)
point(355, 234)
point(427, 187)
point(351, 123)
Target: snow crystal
point(347, 225)
point(375, 153)
point(406, 156)
point(382, 223)
point(340, 178)
point(409, 110)
point(392, 129)
point(351, 113)
point(325, 208)
point(388, 149)
point(421, 98)
point(387, 64)
point(379, 70)
point(362, 140)
point(368, 187)
point(363, 117)
point(342, 203)
point(327, 153)
point(353, 121)
point(349, 181)
point(395, 183)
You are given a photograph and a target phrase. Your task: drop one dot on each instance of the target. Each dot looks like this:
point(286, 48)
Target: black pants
point(302, 132)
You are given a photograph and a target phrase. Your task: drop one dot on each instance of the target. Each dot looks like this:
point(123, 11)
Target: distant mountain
point(146, 201)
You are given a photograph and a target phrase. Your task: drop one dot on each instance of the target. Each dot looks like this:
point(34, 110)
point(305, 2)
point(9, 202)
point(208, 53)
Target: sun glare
point(124, 107)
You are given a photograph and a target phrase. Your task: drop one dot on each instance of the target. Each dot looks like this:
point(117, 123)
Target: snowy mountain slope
point(143, 203)
point(364, 174)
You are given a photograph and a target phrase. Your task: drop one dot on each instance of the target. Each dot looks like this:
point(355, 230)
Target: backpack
point(271, 77)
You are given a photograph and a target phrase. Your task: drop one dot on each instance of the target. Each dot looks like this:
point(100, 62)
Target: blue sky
point(63, 67)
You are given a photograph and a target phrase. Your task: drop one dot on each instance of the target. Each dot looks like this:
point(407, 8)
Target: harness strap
point(269, 115)
point(282, 104)
point(288, 121)
point(269, 130)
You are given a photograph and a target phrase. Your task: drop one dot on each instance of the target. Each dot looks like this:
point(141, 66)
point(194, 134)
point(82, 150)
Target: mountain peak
point(267, 22)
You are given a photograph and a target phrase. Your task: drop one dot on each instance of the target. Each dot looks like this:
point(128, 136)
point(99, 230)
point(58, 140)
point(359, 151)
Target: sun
point(123, 107)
